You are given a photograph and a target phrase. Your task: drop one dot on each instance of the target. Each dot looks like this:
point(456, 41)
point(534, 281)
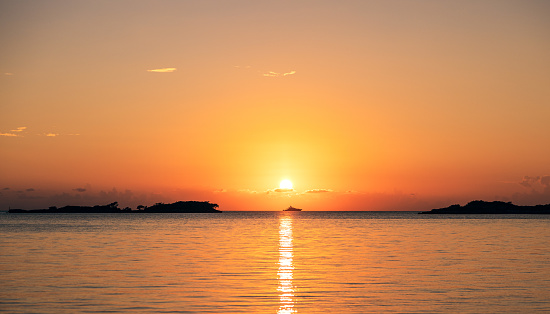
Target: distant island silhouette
point(182, 207)
point(177, 207)
point(496, 207)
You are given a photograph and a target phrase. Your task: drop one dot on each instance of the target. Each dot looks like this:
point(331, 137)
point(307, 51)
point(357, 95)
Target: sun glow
point(285, 184)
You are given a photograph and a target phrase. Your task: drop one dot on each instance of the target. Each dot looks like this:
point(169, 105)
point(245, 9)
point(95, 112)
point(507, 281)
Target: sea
point(274, 262)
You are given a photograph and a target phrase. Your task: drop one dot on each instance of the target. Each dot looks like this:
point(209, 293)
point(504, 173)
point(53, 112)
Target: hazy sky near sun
point(361, 104)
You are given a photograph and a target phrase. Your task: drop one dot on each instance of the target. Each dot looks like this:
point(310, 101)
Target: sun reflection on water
point(286, 266)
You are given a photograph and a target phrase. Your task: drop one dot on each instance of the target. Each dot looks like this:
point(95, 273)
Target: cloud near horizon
point(163, 70)
point(314, 191)
point(532, 182)
point(281, 190)
point(247, 191)
point(537, 191)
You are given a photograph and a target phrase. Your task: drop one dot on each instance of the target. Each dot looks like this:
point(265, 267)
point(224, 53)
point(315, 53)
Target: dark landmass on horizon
point(182, 207)
point(496, 207)
point(177, 207)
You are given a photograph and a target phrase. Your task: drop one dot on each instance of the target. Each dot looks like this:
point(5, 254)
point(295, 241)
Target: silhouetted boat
point(292, 209)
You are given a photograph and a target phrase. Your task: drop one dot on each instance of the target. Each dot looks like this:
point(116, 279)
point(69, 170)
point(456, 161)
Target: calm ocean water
point(274, 262)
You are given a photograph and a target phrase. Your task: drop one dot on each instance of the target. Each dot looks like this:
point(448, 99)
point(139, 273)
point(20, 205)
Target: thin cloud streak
point(281, 190)
point(277, 74)
point(271, 74)
point(314, 191)
point(163, 70)
point(16, 130)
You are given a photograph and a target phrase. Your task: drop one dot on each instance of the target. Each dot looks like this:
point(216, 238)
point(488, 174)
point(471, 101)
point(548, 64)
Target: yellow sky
point(363, 105)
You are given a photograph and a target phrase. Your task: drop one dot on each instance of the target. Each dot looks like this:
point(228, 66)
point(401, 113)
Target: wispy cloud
point(18, 132)
point(8, 74)
point(280, 190)
point(14, 132)
point(271, 74)
point(313, 191)
point(277, 74)
point(536, 181)
point(51, 134)
point(248, 191)
point(163, 70)
point(537, 190)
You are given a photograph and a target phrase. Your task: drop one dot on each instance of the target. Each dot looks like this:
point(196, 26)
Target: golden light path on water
point(286, 266)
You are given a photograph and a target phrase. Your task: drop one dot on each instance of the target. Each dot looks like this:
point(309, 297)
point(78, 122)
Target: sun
point(285, 184)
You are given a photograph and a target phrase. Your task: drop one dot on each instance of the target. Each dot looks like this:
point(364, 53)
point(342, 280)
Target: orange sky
point(363, 105)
